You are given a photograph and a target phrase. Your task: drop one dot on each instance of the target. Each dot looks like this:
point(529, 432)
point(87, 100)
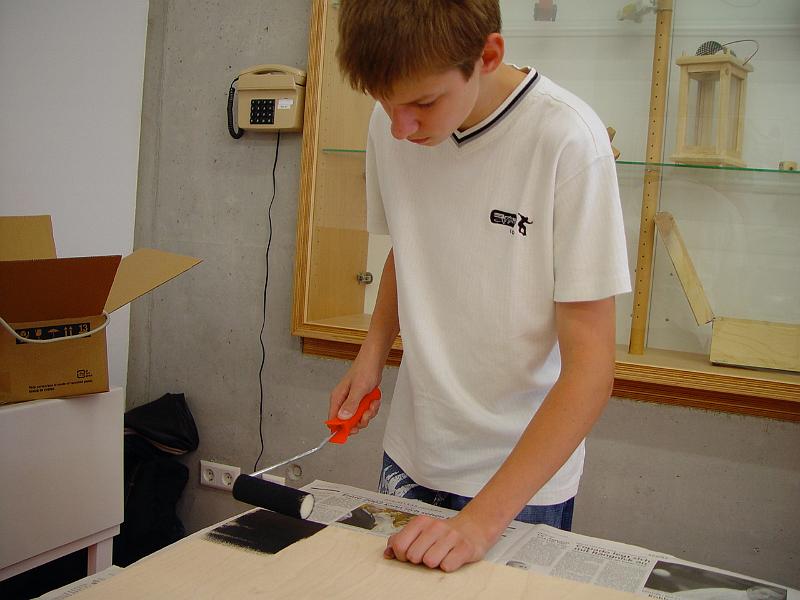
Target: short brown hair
point(382, 42)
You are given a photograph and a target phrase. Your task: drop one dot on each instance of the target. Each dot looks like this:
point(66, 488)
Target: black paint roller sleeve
point(273, 496)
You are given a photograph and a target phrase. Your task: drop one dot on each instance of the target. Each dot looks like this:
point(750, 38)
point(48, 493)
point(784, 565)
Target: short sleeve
point(589, 250)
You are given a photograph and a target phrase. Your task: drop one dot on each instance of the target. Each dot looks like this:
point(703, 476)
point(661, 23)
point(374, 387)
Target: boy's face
point(426, 110)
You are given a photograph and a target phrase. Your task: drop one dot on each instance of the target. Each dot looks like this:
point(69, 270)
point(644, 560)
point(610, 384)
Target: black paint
point(264, 531)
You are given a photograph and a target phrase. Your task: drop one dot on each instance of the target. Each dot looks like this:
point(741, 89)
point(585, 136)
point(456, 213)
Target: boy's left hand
point(444, 543)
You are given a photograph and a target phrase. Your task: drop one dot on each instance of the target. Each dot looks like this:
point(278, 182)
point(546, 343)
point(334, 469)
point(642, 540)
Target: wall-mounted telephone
point(271, 98)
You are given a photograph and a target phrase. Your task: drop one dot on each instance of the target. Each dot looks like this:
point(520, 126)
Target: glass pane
point(604, 55)
point(770, 120)
point(741, 226)
point(742, 233)
point(339, 245)
point(590, 51)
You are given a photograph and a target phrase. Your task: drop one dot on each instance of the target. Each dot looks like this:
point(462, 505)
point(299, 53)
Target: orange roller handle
point(341, 427)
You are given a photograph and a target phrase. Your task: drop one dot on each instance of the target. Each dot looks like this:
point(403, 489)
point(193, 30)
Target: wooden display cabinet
point(332, 238)
point(332, 307)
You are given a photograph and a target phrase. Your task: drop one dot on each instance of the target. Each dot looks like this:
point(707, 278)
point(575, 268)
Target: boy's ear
point(493, 52)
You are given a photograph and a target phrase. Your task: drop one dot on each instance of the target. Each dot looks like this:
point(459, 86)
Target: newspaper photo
point(551, 551)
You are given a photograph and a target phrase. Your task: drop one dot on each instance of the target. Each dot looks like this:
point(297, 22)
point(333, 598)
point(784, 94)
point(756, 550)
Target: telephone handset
point(271, 98)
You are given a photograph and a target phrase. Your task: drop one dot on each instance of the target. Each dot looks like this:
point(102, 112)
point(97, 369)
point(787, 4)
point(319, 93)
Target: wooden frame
point(654, 376)
point(663, 377)
point(652, 179)
point(308, 168)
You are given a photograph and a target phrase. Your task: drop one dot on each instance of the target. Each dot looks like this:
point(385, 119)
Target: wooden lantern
point(711, 110)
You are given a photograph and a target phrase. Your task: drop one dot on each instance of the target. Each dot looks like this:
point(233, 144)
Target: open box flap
point(24, 238)
point(143, 271)
point(684, 267)
point(56, 288)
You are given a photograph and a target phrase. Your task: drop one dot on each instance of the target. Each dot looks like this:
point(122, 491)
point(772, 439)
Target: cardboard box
point(45, 297)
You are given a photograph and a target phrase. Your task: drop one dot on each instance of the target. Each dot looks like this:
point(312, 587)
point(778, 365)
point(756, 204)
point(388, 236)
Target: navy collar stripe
point(499, 117)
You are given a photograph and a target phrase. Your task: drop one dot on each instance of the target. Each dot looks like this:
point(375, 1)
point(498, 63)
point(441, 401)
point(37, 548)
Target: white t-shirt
point(489, 229)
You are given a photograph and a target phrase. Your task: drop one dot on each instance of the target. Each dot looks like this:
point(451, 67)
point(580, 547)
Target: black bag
point(167, 423)
point(154, 479)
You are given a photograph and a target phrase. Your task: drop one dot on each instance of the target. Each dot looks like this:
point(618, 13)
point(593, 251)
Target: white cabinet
point(61, 474)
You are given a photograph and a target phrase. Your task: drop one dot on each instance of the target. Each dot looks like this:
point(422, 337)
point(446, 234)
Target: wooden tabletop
point(335, 563)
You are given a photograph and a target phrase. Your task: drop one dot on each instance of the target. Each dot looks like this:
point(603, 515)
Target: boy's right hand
point(346, 396)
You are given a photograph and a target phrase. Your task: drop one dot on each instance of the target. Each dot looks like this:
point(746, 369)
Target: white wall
point(70, 110)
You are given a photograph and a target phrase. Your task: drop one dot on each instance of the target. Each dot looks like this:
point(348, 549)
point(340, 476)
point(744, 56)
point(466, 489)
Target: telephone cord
point(264, 310)
point(231, 129)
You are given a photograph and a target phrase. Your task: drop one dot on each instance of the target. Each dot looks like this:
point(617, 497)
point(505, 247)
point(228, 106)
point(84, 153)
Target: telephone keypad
point(262, 111)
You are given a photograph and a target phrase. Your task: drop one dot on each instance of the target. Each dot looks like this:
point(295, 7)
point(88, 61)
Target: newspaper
point(550, 551)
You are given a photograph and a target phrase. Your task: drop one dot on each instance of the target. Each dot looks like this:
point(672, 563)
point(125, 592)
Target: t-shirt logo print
point(510, 220)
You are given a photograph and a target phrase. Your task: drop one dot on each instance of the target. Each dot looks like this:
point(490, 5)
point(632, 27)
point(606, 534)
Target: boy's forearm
point(384, 325)
point(548, 441)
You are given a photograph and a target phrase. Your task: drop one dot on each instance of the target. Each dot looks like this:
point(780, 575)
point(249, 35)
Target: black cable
point(234, 134)
point(264, 312)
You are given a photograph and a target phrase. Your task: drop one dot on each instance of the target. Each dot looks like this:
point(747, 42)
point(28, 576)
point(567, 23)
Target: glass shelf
point(739, 178)
point(635, 163)
point(343, 151)
point(706, 167)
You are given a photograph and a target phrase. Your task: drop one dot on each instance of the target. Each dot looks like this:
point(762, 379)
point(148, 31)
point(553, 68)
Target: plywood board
point(698, 301)
point(333, 564)
point(761, 344)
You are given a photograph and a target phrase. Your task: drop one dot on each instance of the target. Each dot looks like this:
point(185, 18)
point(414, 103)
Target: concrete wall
point(708, 487)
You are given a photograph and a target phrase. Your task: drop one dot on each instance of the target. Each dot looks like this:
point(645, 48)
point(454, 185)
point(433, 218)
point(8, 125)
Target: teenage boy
point(499, 191)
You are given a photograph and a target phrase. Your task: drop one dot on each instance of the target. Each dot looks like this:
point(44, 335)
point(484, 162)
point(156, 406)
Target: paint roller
point(289, 501)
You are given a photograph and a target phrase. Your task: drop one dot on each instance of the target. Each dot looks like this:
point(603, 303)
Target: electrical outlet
point(218, 476)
